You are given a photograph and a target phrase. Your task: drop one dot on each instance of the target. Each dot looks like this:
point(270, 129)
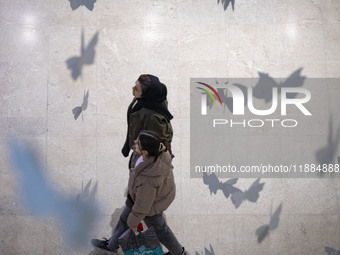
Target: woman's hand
point(134, 229)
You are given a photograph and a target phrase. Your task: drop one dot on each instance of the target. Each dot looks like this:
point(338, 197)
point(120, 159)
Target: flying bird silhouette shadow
point(263, 231)
point(206, 251)
point(76, 216)
point(252, 194)
point(86, 193)
point(215, 184)
point(263, 89)
point(79, 109)
point(89, 4)
point(75, 64)
point(331, 251)
point(326, 155)
point(226, 3)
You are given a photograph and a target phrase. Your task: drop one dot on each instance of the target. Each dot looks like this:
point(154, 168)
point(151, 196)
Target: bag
point(144, 243)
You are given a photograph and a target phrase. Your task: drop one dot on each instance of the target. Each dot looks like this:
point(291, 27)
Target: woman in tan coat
point(151, 190)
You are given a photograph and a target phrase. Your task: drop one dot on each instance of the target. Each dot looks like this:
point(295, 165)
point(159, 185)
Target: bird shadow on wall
point(89, 4)
point(326, 155)
point(263, 89)
point(237, 196)
point(87, 55)
point(86, 193)
point(79, 109)
point(252, 194)
point(263, 231)
point(226, 3)
point(332, 251)
point(206, 251)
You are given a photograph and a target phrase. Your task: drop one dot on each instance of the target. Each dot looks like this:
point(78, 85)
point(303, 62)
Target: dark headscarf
point(154, 98)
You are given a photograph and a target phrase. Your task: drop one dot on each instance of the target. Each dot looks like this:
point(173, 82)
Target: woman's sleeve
point(144, 199)
point(126, 147)
point(160, 125)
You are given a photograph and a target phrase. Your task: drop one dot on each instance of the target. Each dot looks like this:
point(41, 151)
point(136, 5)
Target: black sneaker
point(182, 253)
point(101, 246)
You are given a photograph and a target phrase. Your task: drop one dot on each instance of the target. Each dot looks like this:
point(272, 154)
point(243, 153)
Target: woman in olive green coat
point(148, 111)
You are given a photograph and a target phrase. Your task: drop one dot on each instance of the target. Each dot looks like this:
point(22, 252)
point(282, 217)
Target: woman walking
point(148, 111)
point(151, 190)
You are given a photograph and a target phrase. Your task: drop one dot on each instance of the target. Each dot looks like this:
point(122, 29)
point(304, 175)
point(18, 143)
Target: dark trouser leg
point(164, 233)
point(120, 228)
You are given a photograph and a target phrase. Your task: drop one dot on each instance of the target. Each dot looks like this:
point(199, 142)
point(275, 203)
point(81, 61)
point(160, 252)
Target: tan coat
point(151, 187)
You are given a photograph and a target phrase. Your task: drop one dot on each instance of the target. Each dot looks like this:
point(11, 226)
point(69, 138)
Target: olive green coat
point(147, 119)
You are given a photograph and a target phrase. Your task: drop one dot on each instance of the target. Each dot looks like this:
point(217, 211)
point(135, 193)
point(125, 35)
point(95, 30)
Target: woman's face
point(137, 147)
point(137, 90)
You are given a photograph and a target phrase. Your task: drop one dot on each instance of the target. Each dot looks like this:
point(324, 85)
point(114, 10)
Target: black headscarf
point(154, 98)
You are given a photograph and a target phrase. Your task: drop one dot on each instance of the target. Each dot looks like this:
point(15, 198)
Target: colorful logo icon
point(207, 91)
